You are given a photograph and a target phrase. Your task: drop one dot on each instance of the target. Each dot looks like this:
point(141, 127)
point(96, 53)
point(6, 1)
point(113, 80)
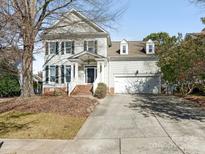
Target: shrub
point(9, 86)
point(199, 89)
point(101, 91)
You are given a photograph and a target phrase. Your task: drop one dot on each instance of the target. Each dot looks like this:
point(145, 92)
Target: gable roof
point(136, 51)
point(75, 24)
point(88, 20)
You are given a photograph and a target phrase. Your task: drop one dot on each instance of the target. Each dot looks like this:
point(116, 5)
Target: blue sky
point(143, 17)
point(146, 16)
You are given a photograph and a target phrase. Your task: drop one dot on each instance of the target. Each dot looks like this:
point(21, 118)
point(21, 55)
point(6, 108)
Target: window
point(68, 73)
point(151, 48)
point(52, 47)
point(124, 49)
point(91, 46)
point(52, 73)
point(68, 47)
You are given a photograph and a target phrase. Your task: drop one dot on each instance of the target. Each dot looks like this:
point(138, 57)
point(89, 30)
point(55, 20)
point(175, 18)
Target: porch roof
point(86, 55)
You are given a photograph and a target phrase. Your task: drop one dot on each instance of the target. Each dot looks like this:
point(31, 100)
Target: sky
point(143, 17)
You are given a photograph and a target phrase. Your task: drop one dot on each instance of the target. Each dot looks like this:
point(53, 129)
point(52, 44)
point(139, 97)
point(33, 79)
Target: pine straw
point(76, 107)
point(200, 100)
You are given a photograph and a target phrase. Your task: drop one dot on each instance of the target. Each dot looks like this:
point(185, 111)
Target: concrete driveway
point(126, 124)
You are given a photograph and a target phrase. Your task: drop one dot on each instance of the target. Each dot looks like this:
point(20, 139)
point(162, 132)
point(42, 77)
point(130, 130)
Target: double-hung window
point(68, 47)
point(124, 49)
point(52, 47)
point(52, 73)
point(68, 73)
point(151, 48)
point(91, 46)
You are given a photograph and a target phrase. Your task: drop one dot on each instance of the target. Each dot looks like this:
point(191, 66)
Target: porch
point(87, 70)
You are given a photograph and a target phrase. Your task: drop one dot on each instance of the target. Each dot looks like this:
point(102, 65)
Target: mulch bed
point(200, 100)
point(77, 107)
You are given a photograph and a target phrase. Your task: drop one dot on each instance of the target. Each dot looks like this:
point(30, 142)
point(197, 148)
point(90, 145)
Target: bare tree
point(23, 21)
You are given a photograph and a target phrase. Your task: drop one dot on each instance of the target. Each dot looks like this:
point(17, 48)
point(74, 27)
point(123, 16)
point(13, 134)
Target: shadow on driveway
point(167, 107)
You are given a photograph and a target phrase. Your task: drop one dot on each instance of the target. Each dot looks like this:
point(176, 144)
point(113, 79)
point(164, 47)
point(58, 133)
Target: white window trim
point(151, 48)
point(50, 73)
point(93, 41)
point(65, 66)
point(59, 46)
point(65, 53)
point(148, 44)
point(49, 47)
point(121, 48)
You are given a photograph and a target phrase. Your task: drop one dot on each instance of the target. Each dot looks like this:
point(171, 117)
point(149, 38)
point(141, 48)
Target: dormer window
point(124, 47)
point(150, 47)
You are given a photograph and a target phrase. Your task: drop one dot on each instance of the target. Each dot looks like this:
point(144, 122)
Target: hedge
point(9, 86)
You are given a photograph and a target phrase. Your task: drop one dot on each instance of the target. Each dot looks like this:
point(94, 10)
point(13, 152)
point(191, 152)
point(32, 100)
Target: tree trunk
point(27, 66)
point(27, 72)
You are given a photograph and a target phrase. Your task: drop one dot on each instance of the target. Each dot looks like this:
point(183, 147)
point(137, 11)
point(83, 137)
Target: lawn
point(44, 117)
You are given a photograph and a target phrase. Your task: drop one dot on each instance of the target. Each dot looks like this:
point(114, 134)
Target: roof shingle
point(136, 51)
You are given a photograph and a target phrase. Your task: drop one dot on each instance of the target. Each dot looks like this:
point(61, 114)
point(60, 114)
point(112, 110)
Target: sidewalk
point(60, 147)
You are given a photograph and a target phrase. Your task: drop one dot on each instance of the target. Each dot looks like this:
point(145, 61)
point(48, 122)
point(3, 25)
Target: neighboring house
point(83, 54)
point(37, 84)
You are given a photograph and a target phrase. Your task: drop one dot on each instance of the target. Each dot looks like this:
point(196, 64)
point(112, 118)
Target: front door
point(90, 74)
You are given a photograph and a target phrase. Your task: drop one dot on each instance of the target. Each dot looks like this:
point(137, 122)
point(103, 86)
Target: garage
point(137, 84)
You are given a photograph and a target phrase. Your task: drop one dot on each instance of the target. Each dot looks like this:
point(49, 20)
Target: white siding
point(72, 24)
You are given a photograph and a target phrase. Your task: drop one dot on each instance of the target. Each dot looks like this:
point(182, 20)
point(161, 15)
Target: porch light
point(88, 62)
point(137, 72)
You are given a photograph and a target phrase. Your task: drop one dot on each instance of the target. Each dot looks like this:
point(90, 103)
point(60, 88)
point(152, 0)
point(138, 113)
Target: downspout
point(108, 74)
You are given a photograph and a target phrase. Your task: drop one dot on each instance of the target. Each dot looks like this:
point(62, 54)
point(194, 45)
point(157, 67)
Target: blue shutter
point(73, 47)
point(57, 74)
point(57, 48)
point(46, 48)
point(47, 74)
point(62, 74)
point(62, 48)
point(96, 47)
point(85, 45)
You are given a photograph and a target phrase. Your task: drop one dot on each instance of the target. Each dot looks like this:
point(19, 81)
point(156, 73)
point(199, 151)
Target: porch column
point(103, 72)
point(76, 72)
point(98, 71)
point(72, 77)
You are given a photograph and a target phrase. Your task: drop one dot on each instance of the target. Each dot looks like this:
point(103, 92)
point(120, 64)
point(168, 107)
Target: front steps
point(82, 90)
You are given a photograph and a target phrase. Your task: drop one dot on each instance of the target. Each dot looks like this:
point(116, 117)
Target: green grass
point(19, 125)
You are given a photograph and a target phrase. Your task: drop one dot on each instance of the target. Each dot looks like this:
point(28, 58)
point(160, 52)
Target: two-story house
point(79, 53)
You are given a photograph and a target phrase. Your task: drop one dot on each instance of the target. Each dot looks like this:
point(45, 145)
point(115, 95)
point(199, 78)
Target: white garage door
point(134, 85)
